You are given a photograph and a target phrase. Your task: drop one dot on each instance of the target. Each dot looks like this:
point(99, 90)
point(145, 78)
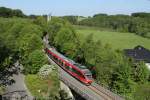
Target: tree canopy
point(7, 12)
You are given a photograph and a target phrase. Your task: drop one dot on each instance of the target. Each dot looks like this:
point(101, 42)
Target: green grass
point(34, 84)
point(117, 40)
point(79, 27)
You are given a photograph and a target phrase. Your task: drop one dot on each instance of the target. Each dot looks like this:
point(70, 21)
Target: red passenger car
point(78, 71)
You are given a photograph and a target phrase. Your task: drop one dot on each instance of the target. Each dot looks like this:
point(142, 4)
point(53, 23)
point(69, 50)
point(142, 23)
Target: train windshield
point(88, 74)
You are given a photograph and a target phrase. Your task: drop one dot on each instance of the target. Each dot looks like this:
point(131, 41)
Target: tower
point(49, 17)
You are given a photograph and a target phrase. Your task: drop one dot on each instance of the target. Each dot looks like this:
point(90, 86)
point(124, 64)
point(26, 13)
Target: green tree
point(141, 14)
point(121, 77)
point(7, 12)
point(105, 65)
point(31, 28)
point(29, 43)
point(65, 41)
point(13, 34)
point(35, 61)
point(71, 19)
point(5, 55)
point(88, 49)
point(18, 13)
point(54, 27)
point(42, 22)
point(140, 73)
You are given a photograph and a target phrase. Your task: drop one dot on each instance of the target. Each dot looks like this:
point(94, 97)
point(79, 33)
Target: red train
point(78, 71)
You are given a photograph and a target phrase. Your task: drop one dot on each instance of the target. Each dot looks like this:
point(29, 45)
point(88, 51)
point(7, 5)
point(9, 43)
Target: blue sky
point(78, 7)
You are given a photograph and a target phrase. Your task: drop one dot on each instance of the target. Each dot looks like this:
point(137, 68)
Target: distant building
point(80, 18)
point(139, 53)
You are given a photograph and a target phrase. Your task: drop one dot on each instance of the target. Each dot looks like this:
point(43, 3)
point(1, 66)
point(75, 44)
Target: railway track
point(110, 94)
point(101, 93)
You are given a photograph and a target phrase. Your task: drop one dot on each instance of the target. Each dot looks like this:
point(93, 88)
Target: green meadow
point(117, 40)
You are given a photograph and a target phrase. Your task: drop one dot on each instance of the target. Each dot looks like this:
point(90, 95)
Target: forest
point(21, 39)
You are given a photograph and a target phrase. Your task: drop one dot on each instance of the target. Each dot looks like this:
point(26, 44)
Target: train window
point(75, 71)
point(69, 68)
point(52, 57)
point(55, 58)
point(49, 54)
point(79, 66)
point(63, 63)
point(89, 76)
point(60, 62)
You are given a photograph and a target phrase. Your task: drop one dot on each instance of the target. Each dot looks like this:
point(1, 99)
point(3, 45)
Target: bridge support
point(67, 90)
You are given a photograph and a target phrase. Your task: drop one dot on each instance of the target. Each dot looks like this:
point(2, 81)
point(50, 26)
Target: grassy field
point(117, 40)
point(40, 87)
point(33, 82)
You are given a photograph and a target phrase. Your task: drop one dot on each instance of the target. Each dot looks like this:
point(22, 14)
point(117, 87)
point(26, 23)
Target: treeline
point(138, 23)
point(71, 19)
point(7, 12)
point(112, 69)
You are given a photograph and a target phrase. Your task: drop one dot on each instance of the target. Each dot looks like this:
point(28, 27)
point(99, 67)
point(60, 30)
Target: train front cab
point(88, 76)
point(81, 77)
